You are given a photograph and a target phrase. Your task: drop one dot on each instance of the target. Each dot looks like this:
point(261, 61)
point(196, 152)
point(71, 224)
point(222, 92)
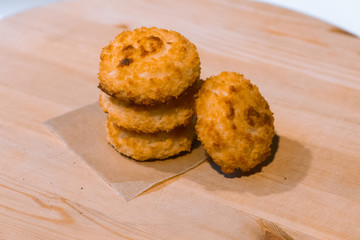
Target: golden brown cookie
point(150, 119)
point(148, 146)
point(235, 123)
point(148, 66)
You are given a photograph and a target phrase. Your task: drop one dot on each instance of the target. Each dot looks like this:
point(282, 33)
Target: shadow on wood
point(280, 172)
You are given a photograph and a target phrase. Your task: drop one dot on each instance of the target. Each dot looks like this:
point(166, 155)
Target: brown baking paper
point(83, 131)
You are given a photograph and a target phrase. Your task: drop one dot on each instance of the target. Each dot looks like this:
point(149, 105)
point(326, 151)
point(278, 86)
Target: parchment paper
point(83, 131)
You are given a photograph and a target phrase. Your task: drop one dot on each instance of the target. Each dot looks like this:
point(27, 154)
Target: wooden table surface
point(308, 71)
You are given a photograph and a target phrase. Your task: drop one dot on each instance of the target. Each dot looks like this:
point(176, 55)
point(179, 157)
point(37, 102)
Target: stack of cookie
point(148, 79)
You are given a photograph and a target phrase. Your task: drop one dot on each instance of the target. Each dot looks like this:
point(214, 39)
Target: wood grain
point(308, 72)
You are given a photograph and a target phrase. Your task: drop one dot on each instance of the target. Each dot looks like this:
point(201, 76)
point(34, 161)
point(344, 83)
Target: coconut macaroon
point(151, 119)
point(148, 66)
point(145, 146)
point(235, 123)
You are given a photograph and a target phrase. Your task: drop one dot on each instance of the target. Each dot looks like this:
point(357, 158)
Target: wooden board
point(308, 70)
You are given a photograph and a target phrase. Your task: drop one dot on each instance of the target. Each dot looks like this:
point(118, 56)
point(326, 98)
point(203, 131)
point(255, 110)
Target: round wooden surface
point(308, 71)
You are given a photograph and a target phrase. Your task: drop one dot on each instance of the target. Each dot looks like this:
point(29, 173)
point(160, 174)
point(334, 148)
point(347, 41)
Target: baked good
point(154, 118)
point(147, 146)
point(234, 122)
point(148, 66)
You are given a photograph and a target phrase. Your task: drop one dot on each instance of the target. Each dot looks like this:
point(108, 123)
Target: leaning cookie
point(235, 123)
point(142, 146)
point(151, 119)
point(148, 66)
